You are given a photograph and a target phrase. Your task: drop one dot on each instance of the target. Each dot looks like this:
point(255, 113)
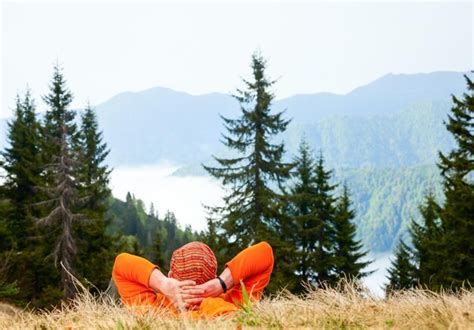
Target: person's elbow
point(119, 264)
point(266, 251)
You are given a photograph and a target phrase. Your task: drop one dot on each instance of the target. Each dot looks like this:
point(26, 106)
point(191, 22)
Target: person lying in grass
point(192, 282)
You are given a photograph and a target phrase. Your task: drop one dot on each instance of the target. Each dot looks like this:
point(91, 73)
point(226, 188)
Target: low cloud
point(155, 184)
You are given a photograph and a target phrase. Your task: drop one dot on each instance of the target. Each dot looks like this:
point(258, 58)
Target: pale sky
point(107, 48)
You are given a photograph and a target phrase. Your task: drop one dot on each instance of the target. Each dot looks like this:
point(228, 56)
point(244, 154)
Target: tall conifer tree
point(347, 250)
point(60, 132)
point(427, 248)
point(20, 161)
point(401, 274)
point(92, 180)
point(457, 214)
point(304, 223)
point(252, 210)
point(324, 207)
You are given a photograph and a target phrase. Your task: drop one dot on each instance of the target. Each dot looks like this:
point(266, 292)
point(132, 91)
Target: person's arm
point(134, 276)
point(253, 266)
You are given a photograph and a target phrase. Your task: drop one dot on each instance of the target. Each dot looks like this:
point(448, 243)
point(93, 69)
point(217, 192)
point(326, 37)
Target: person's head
point(193, 261)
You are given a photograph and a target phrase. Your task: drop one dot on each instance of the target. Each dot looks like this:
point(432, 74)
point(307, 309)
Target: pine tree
point(19, 242)
point(427, 252)
point(93, 174)
point(152, 211)
point(20, 161)
point(58, 121)
point(252, 210)
point(132, 223)
point(401, 274)
point(324, 207)
point(211, 238)
point(347, 250)
point(214, 240)
point(457, 214)
point(60, 178)
point(304, 222)
point(92, 181)
point(159, 258)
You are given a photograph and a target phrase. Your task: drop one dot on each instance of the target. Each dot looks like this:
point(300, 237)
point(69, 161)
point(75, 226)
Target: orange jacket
point(253, 266)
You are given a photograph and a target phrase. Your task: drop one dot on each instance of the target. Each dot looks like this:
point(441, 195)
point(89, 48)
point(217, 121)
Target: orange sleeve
point(253, 266)
point(131, 275)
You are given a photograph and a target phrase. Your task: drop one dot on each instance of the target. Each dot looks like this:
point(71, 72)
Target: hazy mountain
point(384, 96)
point(395, 120)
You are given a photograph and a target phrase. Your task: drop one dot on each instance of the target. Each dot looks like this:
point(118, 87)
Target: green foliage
point(20, 163)
point(347, 249)
point(323, 232)
point(216, 241)
point(22, 245)
point(54, 175)
point(61, 187)
point(426, 240)
point(457, 213)
point(145, 234)
point(311, 214)
point(406, 138)
point(8, 289)
point(401, 274)
point(252, 210)
point(386, 199)
point(443, 249)
point(93, 178)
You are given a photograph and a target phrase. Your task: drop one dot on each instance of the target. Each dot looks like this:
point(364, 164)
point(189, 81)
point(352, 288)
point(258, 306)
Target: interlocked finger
point(192, 291)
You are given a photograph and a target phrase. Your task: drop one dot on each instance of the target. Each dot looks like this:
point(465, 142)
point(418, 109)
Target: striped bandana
point(194, 261)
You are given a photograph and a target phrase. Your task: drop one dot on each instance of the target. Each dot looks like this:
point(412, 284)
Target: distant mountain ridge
point(148, 126)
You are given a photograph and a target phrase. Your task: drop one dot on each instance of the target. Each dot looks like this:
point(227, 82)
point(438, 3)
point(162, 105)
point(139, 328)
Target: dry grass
point(346, 308)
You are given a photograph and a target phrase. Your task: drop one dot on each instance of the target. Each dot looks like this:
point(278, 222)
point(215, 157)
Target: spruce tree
point(60, 133)
point(401, 274)
point(92, 182)
point(131, 222)
point(19, 242)
point(158, 255)
point(427, 249)
point(252, 208)
point(214, 240)
point(93, 173)
point(304, 223)
point(21, 163)
point(324, 208)
point(211, 238)
point(347, 250)
point(457, 214)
